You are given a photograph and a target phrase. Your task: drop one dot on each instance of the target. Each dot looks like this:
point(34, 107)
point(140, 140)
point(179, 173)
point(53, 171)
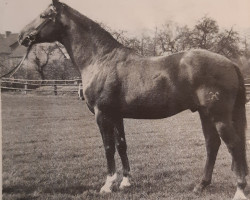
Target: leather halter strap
point(48, 17)
point(51, 13)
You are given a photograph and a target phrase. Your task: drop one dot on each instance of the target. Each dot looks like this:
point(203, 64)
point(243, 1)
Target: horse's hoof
point(125, 183)
point(105, 190)
point(108, 184)
point(198, 189)
point(239, 195)
point(242, 198)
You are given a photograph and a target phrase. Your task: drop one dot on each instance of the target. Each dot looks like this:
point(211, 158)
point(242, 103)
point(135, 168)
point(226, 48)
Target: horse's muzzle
point(27, 40)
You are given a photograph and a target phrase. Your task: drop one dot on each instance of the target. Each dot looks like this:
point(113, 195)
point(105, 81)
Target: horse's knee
point(121, 146)
point(109, 150)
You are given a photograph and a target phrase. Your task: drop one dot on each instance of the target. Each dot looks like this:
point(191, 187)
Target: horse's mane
point(90, 24)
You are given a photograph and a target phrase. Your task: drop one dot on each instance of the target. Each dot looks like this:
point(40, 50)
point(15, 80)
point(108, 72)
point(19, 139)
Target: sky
point(134, 16)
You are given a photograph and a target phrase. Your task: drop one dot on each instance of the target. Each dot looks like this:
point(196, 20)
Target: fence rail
point(41, 81)
point(31, 85)
point(26, 85)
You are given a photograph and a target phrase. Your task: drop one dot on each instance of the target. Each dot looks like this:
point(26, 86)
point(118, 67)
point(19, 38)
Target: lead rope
point(13, 71)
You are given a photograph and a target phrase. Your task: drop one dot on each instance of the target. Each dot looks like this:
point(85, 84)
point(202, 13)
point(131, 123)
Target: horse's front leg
point(106, 127)
point(121, 146)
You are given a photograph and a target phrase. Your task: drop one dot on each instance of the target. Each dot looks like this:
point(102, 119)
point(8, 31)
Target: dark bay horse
point(117, 84)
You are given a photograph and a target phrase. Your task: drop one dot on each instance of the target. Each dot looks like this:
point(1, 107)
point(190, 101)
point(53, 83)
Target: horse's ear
point(55, 2)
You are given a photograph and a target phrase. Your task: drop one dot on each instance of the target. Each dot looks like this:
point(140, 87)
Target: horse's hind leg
point(212, 145)
point(106, 127)
point(236, 147)
point(121, 146)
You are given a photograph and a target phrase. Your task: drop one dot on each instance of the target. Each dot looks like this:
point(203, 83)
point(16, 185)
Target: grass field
point(52, 149)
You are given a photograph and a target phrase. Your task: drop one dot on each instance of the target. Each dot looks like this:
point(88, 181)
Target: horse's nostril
point(26, 38)
point(24, 41)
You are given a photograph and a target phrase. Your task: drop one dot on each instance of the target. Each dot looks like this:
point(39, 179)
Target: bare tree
point(42, 54)
point(183, 39)
point(204, 33)
point(245, 48)
point(4, 65)
point(119, 35)
point(228, 44)
point(172, 38)
point(166, 37)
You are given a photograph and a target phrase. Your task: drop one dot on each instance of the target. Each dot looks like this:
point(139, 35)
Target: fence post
point(55, 88)
point(25, 87)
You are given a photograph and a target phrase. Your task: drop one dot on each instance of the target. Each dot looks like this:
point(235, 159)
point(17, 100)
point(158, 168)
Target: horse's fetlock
point(205, 182)
point(241, 184)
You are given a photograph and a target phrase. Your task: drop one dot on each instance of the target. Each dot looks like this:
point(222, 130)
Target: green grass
point(52, 149)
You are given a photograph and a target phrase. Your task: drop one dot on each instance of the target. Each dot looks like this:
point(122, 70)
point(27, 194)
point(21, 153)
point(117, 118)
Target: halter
point(48, 16)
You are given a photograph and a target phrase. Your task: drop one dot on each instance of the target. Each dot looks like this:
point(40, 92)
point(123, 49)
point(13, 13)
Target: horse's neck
point(86, 45)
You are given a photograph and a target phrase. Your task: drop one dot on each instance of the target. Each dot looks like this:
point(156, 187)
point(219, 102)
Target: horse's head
point(45, 28)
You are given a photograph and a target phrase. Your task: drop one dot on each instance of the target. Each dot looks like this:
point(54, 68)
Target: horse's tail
point(239, 116)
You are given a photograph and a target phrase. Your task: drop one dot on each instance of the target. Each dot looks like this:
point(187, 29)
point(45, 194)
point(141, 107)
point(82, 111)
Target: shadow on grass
point(157, 182)
point(25, 189)
point(21, 191)
point(71, 190)
point(219, 190)
point(18, 189)
point(173, 183)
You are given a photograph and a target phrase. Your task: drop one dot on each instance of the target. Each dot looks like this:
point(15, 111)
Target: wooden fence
point(25, 86)
point(247, 85)
point(30, 85)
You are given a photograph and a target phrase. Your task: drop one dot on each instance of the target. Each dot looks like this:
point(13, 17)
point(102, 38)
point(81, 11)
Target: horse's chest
point(91, 92)
point(99, 91)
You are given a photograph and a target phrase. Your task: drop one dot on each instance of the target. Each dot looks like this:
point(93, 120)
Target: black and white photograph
point(125, 99)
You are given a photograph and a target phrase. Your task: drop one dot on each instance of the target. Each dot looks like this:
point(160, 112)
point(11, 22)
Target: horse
point(117, 83)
